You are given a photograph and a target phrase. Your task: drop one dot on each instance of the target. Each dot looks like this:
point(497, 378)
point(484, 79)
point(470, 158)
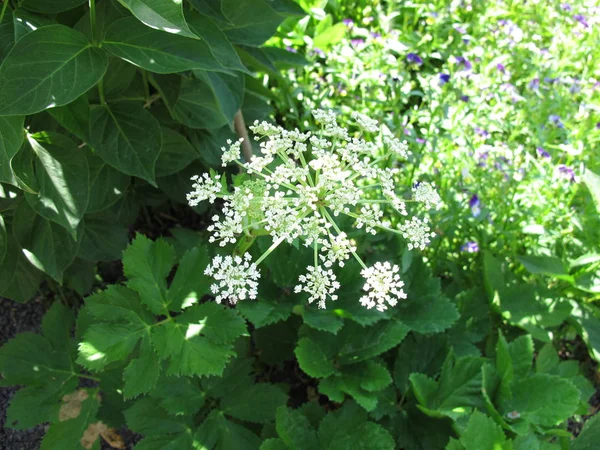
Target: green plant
point(106, 109)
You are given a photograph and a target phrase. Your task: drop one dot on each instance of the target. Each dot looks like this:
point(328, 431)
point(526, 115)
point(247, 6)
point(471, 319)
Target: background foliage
point(106, 112)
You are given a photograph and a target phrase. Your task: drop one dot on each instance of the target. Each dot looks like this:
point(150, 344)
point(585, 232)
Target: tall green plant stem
point(92, 4)
point(4, 6)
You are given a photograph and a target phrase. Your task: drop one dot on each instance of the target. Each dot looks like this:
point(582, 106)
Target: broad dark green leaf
point(102, 239)
point(75, 117)
point(141, 374)
point(219, 45)
point(46, 245)
point(312, 360)
point(128, 137)
point(210, 102)
point(107, 184)
point(11, 139)
point(62, 180)
point(189, 284)
point(590, 435)
point(161, 15)
point(51, 6)
point(295, 430)
point(176, 153)
point(257, 403)
point(60, 64)
point(251, 22)
point(155, 51)
point(547, 265)
point(19, 280)
point(218, 433)
point(482, 433)
point(429, 314)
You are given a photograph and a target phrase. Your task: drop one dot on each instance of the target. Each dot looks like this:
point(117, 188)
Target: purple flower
point(534, 84)
point(475, 205)
point(357, 42)
point(413, 58)
point(566, 172)
point(566, 7)
point(348, 22)
point(481, 132)
point(597, 125)
point(500, 67)
point(555, 120)
point(542, 153)
point(375, 35)
point(444, 78)
point(317, 51)
point(550, 80)
point(462, 61)
point(291, 49)
point(420, 140)
point(460, 30)
point(470, 247)
point(464, 98)
point(581, 19)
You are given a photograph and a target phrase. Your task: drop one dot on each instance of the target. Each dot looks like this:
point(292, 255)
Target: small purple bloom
point(550, 80)
point(317, 51)
point(470, 247)
point(481, 132)
point(444, 78)
point(291, 49)
point(581, 19)
point(597, 125)
point(542, 153)
point(555, 120)
point(348, 22)
point(462, 61)
point(464, 98)
point(566, 172)
point(475, 205)
point(534, 84)
point(460, 30)
point(357, 42)
point(420, 140)
point(500, 67)
point(413, 58)
point(375, 35)
point(566, 7)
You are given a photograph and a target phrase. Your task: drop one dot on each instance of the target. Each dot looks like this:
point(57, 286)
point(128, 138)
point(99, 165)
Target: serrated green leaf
point(155, 51)
point(429, 314)
point(375, 376)
point(141, 374)
point(265, 311)
point(149, 419)
point(419, 354)
point(273, 444)
point(590, 435)
point(348, 428)
point(121, 321)
point(324, 320)
point(46, 245)
point(160, 15)
point(61, 65)
point(360, 343)
point(62, 176)
point(521, 353)
point(532, 395)
point(218, 433)
point(482, 433)
point(312, 360)
point(11, 139)
point(189, 284)
point(147, 264)
point(56, 326)
point(179, 395)
point(257, 403)
point(199, 341)
point(127, 137)
point(295, 430)
point(68, 434)
point(459, 386)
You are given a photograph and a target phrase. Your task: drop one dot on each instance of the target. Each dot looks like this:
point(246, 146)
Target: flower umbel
point(298, 189)
point(236, 278)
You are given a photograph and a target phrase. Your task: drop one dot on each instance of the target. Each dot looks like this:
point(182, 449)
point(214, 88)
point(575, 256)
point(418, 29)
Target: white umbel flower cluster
point(382, 285)
point(298, 189)
point(237, 278)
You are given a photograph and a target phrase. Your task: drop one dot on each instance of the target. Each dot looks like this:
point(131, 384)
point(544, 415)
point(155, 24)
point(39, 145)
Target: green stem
point(92, 4)
point(146, 86)
point(4, 6)
point(270, 250)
